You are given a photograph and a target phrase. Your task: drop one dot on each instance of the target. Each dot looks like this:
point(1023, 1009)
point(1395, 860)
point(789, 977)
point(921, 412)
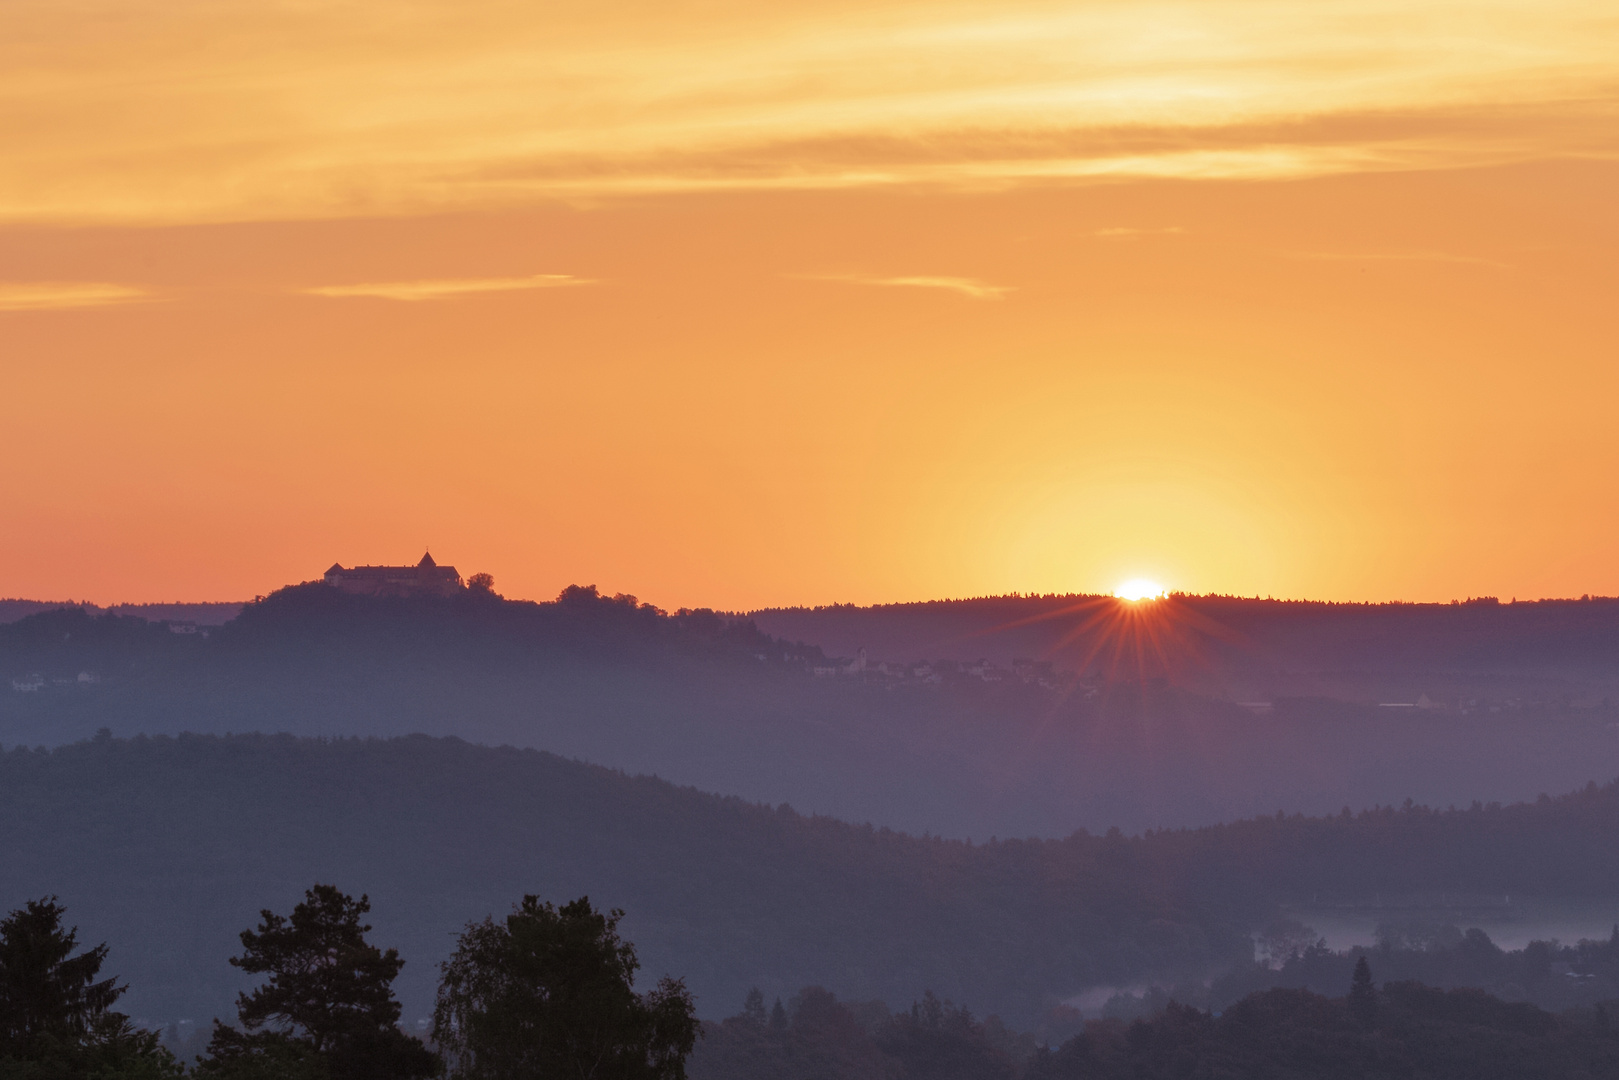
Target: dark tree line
point(1403, 1030)
point(1396, 1031)
point(549, 992)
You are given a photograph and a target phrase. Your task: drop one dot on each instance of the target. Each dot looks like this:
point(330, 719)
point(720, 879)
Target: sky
point(741, 304)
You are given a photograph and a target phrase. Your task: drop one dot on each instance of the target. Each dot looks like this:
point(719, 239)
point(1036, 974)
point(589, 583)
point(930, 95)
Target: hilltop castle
point(426, 578)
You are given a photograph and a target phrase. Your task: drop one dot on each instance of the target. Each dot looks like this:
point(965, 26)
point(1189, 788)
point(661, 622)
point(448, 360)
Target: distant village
point(1029, 672)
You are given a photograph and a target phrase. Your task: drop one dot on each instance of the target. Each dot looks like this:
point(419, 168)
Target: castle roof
point(426, 577)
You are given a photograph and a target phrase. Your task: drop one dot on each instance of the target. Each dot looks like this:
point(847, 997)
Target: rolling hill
point(949, 748)
point(167, 847)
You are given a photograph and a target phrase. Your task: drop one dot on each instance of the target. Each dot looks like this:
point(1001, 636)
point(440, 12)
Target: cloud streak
point(65, 295)
point(446, 288)
point(362, 107)
point(968, 287)
point(1398, 256)
point(1127, 233)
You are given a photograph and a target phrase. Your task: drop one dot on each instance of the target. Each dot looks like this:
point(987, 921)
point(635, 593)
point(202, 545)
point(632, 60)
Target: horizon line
point(1482, 600)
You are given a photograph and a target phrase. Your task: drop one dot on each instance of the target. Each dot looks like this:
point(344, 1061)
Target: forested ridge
point(1480, 634)
point(164, 846)
point(710, 700)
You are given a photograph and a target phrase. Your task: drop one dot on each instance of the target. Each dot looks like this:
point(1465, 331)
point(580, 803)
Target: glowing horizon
point(1138, 589)
point(1122, 591)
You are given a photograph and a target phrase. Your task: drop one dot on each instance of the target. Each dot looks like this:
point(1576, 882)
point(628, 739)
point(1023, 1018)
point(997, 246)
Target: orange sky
point(740, 304)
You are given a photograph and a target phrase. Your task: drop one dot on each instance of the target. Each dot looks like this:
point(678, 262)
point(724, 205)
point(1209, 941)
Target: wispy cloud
point(333, 109)
point(447, 287)
point(1128, 233)
point(969, 287)
point(1396, 256)
point(61, 295)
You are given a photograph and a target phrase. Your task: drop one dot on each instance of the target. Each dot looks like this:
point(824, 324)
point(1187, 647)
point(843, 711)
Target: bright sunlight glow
point(1138, 589)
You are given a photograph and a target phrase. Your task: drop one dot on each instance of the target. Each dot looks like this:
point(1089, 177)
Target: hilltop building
point(426, 578)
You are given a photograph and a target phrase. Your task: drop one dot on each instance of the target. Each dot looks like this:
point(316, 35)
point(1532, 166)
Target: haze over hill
point(1482, 651)
point(167, 848)
point(949, 748)
point(203, 614)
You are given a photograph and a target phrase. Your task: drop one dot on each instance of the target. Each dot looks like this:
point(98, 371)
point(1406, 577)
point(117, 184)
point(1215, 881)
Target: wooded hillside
point(167, 847)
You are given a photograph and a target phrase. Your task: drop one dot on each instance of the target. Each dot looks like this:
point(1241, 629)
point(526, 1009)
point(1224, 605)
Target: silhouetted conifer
point(46, 991)
point(328, 1006)
point(753, 1008)
point(56, 1017)
point(1362, 995)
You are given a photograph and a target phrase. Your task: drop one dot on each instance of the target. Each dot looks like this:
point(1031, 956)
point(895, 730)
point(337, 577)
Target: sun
point(1138, 589)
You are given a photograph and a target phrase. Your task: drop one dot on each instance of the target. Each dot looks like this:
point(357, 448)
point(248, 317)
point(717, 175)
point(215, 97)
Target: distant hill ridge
point(716, 701)
point(203, 614)
point(1246, 635)
point(1243, 630)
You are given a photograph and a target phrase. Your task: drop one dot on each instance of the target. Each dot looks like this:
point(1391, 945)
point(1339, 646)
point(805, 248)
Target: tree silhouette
point(753, 1009)
point(1362, 999)
point(328, 1003)
point(56, 1015)
point(46, 991)
point(549, 992)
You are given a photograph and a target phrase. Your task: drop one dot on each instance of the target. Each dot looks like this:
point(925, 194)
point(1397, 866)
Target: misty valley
point(1025, 837)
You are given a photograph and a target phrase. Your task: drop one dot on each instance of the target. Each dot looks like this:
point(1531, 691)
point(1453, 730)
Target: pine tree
point(56, 1015)
point(1362, 995)
point(46, 991)
point(753, 1008)
point(328, 1005)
